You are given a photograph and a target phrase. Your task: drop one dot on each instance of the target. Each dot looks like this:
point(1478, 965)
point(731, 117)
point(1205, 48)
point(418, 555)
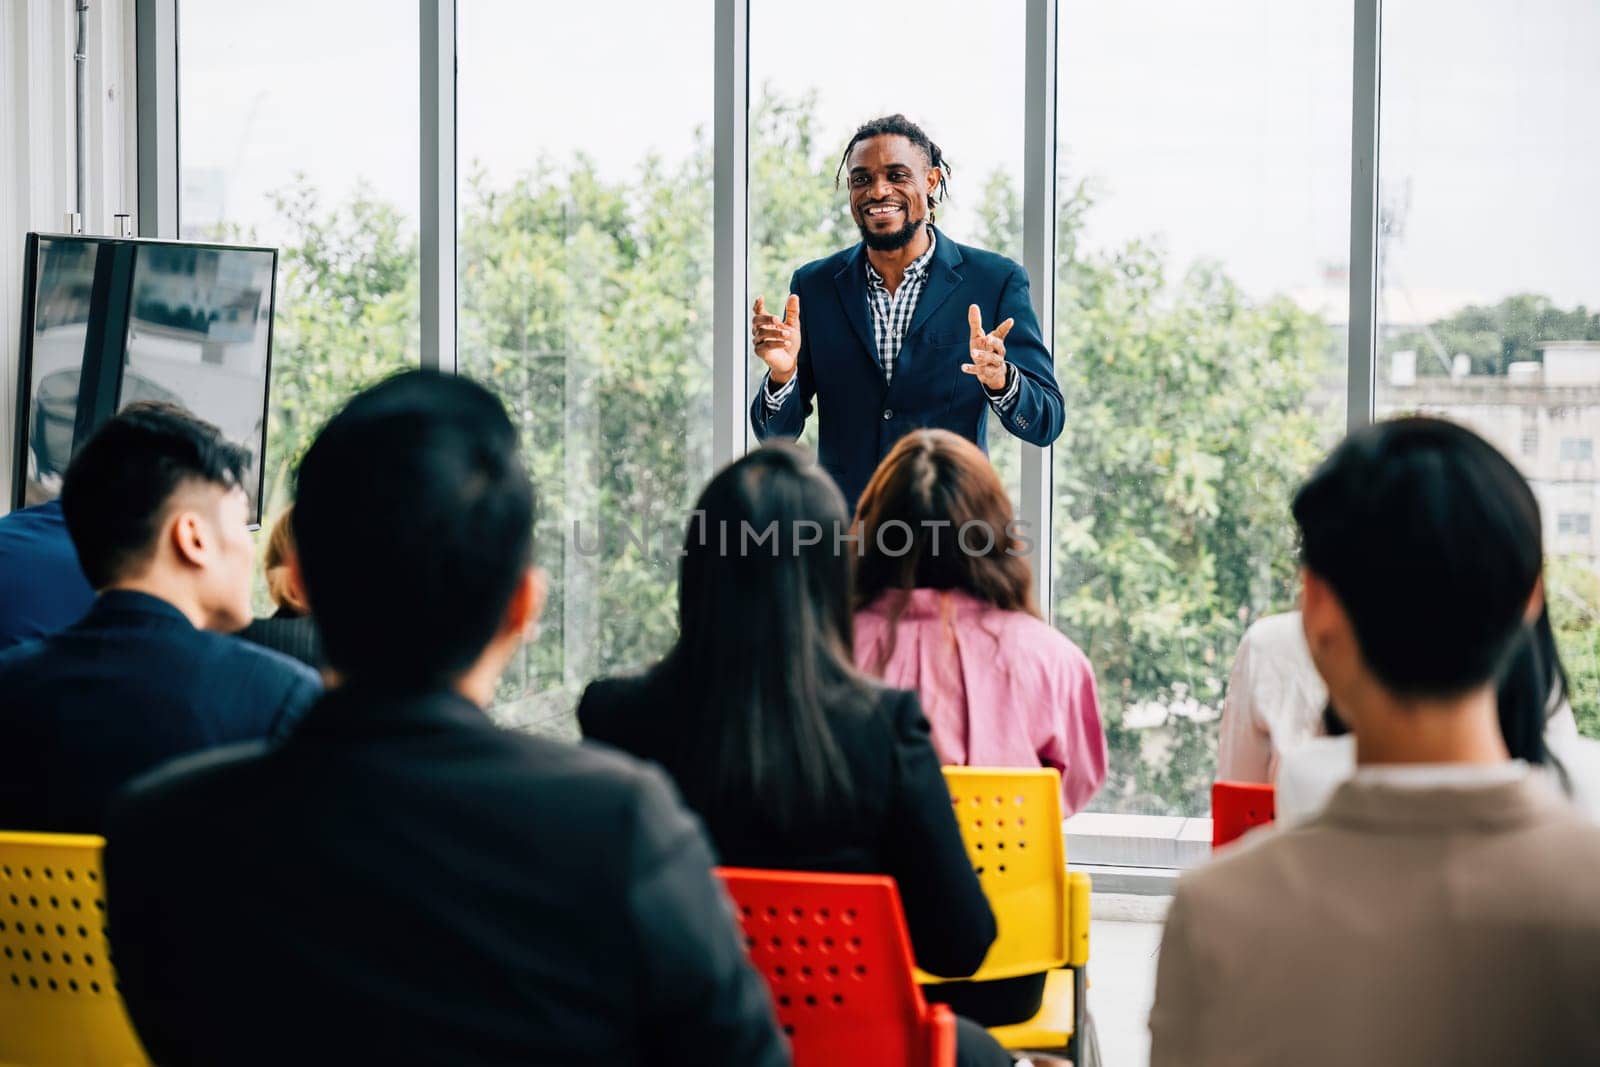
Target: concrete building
point(1545, 417)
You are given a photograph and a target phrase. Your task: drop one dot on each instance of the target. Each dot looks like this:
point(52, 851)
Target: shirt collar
point(1440, 807)
point(918, 267)
point(1435, 775)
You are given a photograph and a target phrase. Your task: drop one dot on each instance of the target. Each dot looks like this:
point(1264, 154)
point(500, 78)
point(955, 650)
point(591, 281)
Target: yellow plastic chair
point(58, 995)
point(1011, 823)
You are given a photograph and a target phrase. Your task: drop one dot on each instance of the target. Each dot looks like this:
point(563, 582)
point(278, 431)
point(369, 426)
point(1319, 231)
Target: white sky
point(1221, 128)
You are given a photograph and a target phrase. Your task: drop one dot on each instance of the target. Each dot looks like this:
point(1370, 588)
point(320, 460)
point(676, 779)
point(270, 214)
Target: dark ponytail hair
point(764, 649)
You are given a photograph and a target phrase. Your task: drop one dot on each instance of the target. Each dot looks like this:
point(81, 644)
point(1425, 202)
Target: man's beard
point(889, 242)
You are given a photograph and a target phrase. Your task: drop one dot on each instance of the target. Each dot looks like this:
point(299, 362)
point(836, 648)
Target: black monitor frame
point(100, 382)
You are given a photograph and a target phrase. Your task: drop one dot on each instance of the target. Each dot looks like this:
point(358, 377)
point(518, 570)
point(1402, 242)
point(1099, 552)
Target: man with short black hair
point(401, 881)
point(157, 511)
point(1442, 908)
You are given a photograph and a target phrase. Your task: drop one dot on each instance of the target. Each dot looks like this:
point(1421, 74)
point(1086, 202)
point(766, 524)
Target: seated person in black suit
point(401, 881)
point(157, 512)
point(42, 588)
point(290, 629)
point(794, 759)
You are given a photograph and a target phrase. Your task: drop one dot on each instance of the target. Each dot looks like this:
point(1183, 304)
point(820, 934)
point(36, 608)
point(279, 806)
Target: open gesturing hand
point(988, 351)
point(777, 341)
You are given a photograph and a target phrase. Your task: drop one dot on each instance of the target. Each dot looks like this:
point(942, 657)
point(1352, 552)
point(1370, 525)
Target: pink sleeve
point(867, 633)
point(1076, 742)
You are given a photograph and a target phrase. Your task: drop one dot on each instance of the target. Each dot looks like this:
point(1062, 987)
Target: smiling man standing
point(892, 336)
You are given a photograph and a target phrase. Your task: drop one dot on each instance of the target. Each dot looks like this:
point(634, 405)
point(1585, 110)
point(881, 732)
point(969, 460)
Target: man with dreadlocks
point(892, 337)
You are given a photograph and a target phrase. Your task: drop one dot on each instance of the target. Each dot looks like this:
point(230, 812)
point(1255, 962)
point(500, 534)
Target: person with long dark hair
point(944, 606)
point(793, 758)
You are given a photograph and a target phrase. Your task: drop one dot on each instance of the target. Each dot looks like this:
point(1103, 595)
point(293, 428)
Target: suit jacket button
point(887, 414)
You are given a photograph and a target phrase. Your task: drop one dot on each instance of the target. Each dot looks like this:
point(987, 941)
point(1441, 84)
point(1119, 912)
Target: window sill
point(1135, 854)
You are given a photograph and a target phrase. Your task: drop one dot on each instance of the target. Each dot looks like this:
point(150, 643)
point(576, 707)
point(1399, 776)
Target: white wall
point(37, 149)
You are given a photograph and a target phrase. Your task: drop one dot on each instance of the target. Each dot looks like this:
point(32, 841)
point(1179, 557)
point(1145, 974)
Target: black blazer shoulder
point(902, 824)
point(526, 900)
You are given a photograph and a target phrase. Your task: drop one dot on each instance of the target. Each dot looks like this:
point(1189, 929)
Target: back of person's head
point(1430, 542)
point(278, 565)
point(936, 516)
point(413, 520)
point(1532, 689)
point(157, 496)
point(765, 629)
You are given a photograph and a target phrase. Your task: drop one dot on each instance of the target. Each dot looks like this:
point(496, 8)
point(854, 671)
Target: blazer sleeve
point(701, 1002)
point(1039, 413)
point(303, 690)
point(789, 419)
point(951, 924)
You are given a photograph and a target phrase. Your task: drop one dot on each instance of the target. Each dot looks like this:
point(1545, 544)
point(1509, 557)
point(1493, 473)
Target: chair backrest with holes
point(58, 995)
point(1237, 807)
point(835, 953)
point(1011, 823)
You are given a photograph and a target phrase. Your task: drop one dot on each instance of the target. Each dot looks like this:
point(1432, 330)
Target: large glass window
point(815, 79)
point(1201, 293)
point(585, 230)
point(1490, 286)
point(298, 128)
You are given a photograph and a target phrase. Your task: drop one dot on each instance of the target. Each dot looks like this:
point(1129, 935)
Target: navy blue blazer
point(42, 588)
point(127, 687)
point(838, 366)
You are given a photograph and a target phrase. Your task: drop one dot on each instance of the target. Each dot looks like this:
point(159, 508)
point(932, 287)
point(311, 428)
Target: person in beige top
point(1443, 909)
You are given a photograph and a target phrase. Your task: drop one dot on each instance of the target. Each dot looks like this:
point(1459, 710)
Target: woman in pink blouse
point(944, 606)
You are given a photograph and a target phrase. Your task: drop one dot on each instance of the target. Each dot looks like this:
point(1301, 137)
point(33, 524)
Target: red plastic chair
point(836, 955)
point(1237, 807)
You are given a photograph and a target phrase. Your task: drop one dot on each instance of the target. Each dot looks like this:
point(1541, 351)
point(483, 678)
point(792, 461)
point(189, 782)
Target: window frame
point(1134, 843)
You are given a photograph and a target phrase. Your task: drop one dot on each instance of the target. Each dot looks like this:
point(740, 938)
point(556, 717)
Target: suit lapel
point(851, 284)
point(943, 277)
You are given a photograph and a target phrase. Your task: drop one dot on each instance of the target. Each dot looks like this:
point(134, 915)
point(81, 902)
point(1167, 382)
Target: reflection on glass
point(193, 331)
point(61, 300)
point(198, 337)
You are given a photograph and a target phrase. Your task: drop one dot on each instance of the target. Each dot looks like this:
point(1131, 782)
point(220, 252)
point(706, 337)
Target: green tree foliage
point(585, 301)
point(1496, 337)
point(1194, 414)
point(1573, 591)
point(346, 317)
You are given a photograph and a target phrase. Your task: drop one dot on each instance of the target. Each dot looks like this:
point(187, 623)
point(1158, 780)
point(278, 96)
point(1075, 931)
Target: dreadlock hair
point(897, 125)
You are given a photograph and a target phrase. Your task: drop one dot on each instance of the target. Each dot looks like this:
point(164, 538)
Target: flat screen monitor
point(108, 322)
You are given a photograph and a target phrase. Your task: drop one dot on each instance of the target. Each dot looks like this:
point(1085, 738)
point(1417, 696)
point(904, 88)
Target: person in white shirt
point(1440, 910)
point(1535, 718)
point(1274, 701)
